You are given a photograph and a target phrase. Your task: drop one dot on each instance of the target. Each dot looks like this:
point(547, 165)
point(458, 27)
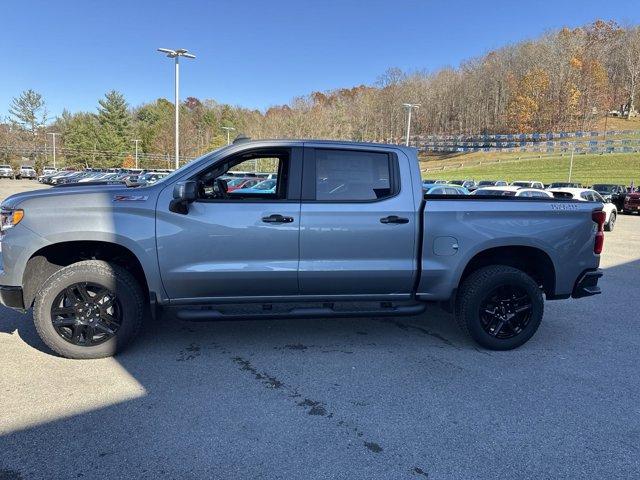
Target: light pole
point(228, 129)
point(571, 161)
point(409, 107)
point(54, 147)
point(176, 54)
point(136, 142)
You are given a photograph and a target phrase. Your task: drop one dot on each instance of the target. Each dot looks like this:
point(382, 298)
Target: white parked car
point(6, 171)
point(528, 184)
point(588, 195)
point(27, 171)
point(512, 191)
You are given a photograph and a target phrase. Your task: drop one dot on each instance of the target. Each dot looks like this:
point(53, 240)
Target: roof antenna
point(241, 138)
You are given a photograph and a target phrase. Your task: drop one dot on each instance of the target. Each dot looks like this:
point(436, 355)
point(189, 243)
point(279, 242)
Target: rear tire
point(611, 223)
point(499, 307)
point(112, 320)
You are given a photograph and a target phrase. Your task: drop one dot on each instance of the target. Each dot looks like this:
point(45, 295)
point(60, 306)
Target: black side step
point(208, 314)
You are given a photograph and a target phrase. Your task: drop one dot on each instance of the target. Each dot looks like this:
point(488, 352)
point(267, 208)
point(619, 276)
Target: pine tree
point(29, 111)
point(114, 126)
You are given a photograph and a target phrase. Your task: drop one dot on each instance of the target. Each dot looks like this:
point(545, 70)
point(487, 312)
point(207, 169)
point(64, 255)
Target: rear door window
point(347, 175)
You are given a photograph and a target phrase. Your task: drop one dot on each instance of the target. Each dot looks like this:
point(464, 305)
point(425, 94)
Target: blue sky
point(256, 53)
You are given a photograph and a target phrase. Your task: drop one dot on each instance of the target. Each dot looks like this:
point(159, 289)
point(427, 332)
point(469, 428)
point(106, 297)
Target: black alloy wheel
point(506, 311)
point(86, 314)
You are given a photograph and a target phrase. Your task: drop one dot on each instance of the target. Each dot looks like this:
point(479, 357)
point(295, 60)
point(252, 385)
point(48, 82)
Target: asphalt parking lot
point(356, 398)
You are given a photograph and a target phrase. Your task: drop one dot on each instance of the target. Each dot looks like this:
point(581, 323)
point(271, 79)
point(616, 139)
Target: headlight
point(10, 218)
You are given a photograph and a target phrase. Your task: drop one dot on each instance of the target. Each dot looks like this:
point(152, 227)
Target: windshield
point(604, 188)
point(181, 170)
point(487, 182)
point(520, 184)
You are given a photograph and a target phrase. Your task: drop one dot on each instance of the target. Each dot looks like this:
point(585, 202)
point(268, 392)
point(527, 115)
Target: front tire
point(89, 309)
point(500, 307)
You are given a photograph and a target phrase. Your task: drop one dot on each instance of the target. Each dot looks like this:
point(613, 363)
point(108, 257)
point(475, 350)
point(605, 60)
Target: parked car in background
point(565, 185)
point(631, 203)
point(589, 195)
point(262, 188)
point(492, 183)
point(528, 184)
point(150, 178)
point(47, 172)
point(238, 183)
point(468, 184)
point(60, 176)
point(615, 193)
point(431, 180)
point(27, 171)
point(6, 171)
point(444, 189)
point(511, 191)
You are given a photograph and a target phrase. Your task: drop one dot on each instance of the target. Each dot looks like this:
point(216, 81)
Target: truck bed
point(455, 229)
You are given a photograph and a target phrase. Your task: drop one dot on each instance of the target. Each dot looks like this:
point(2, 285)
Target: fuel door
point(445, 246)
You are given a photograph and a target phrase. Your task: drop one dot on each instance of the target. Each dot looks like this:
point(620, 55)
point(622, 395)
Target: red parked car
point(238, 183)
point(632, 202)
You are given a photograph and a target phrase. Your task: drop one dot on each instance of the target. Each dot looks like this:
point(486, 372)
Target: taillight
point(599, 217)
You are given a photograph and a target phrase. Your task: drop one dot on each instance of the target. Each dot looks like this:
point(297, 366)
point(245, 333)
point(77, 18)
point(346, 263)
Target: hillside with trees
point(564, 80)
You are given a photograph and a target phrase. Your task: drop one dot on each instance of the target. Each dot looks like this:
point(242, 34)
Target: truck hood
point(59, 193)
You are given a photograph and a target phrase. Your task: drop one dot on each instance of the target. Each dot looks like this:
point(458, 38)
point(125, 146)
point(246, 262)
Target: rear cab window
point(352, 175)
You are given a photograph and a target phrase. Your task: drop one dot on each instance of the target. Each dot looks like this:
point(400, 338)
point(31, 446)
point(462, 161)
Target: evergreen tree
point(80, 136)
point(29, 111)
point(114, 122)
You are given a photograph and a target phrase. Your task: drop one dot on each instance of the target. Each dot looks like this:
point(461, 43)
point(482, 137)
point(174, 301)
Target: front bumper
point(12, 297)
point(587, 284)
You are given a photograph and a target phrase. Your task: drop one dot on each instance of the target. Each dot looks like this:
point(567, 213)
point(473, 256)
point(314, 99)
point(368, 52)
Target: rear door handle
point(277, 218)
point(394, 219)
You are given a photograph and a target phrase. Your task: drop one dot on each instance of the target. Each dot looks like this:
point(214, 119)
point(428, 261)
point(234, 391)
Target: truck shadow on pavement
point(365, 398)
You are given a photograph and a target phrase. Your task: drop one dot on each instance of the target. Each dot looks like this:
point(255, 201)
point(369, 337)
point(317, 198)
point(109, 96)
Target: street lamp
point(176, 54)
point(409, 107)
point(54, 147)
point(136, 142)
point(228, 129)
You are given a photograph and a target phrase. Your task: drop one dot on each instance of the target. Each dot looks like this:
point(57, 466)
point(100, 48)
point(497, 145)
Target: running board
point(209, 314)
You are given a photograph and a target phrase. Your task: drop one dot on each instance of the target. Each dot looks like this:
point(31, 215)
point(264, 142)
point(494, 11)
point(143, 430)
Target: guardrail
point(610, 141)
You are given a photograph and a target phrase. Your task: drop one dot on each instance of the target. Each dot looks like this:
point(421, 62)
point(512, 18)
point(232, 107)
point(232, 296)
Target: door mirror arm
point(184, 193)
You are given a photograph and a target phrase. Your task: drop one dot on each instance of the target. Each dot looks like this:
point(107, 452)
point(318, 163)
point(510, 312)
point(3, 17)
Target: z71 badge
point(130, 198)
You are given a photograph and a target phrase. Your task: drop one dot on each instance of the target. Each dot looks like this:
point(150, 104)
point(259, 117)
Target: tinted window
point(539, 194)
point(348, 175)
point(588, 196)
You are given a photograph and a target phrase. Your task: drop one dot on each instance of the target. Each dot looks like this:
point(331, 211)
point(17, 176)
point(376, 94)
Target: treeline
point(564, 80)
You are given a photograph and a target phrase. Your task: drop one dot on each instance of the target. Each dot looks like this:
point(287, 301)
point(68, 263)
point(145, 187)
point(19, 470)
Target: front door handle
point(394, 219)
point(277, 218)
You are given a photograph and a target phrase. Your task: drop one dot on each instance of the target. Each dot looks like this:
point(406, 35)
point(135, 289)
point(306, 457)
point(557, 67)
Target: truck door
point(242, 243)
point(358, 231)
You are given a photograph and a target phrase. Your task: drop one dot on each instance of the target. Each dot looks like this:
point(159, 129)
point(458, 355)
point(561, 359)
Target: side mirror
point(184, 193)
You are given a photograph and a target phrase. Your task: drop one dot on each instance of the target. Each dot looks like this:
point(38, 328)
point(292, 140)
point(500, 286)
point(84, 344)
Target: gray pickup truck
point(344, 230)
